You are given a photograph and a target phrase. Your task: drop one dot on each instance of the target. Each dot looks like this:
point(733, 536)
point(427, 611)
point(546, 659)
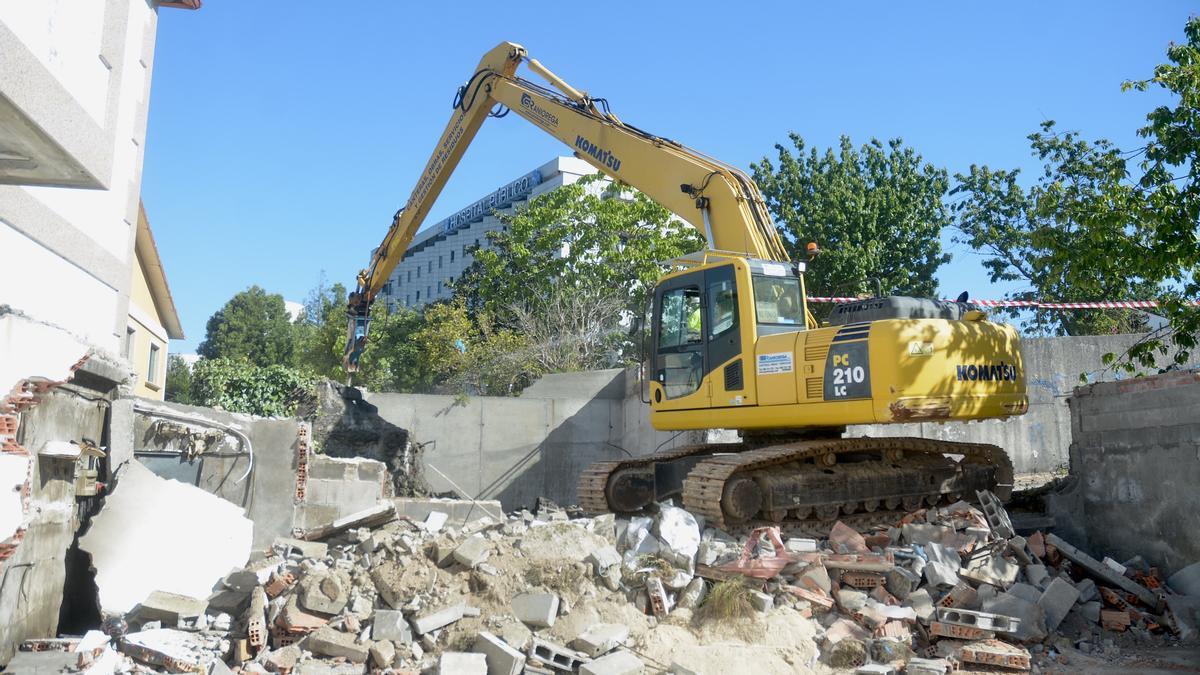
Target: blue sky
point(283, 136)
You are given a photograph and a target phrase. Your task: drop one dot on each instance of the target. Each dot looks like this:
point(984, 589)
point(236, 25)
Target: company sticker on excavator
point(847, 372)
point(772, 364)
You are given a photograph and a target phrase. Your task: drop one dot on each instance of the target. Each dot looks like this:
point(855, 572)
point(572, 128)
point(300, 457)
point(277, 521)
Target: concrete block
point(1091, 611)
point(390, 624)
point(473, 551)
point(1037, 575)
point(815, 577)
point(763, 602)
point(1087, 591)
point(383, 654)
point(1056, 602)
point(875, 669)
point(994, 569)
point(603, 558)
point(298, 548)
point(692, 594)
point(462, 663)
point(329, 642)
point(901, 581)
point(536, 609)
point(617, 663)
point(938, 574)
point(431, 621)
point(324, 593)
point(502, 659)
point(922, 604)
point(796, 545)
point(983, 620)
point(601, 638)
point(1032, 626)
point(1103, 572)
point(917, 666)
point(556, 656)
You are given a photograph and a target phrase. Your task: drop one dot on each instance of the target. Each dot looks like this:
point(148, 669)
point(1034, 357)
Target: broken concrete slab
point(1032, 626)
point(377, 515)
point(176, 650)
point(1104, 572)
point(502, 659)
point(155, 534)
point(601, 638)
point(1186, 580)
point(458, 512)
point(433, 620)
point(473, 551)
point(298, 548)
point(169, 607)
point(390, 624)
point(324, 593)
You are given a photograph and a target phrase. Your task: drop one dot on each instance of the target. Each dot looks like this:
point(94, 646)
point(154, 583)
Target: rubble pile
point(552, 592)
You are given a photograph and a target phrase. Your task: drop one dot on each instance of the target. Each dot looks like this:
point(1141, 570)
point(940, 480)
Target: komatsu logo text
point(986, 372)
point(539, 113)
point(599, 154)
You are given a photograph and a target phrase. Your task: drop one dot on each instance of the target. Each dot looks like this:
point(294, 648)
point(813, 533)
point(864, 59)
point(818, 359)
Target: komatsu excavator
point(735, 347)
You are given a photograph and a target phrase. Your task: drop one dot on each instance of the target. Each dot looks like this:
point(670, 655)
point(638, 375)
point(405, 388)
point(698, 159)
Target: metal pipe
point(243, 439)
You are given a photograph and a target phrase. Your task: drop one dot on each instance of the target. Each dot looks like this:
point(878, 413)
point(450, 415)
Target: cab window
point(679, 323)
point(777, 301)
point(722, 308)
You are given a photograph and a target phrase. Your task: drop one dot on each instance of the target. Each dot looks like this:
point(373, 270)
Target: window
point(439, 288)
point(431, 264)
point(130, 335)
point(777, 300)
point(429, 292)
point(451, 256)
point(407, 299)
point(679, 359)
point(418, 296)
point(418, 272)
point(152, 367)
point(679, 324)
point(722, 308)
point(410, 275)
point(439, 262)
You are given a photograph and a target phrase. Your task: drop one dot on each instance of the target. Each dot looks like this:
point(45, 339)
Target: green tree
point(320, 334)
point(877, 213)
point(1108, 221)
point(179, 380)
point(240, 386)
point(1042, 238)
point(587, 235)
point(253, 326)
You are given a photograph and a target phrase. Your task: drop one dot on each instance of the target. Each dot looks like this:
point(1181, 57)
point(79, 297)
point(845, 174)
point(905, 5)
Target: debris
point(329, 642)
point(996, 653)
point(138, 545)
point(389, 624)
point(601, 638)
point(1186, 580)
point(1057, 600)
point(462, 663)
point(1114, 619)
point(472, 552)
point(536, 609)
point(1104, 572)
point(371, 517)
point(169, 607)
point(557, 656)
point(436, 619)
point(502, 659)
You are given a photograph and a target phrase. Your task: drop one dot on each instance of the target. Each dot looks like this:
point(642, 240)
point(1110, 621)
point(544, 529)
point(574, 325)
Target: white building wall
point(66, 252)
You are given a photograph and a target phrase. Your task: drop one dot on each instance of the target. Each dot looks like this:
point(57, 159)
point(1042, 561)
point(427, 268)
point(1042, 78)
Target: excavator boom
point(719, 200)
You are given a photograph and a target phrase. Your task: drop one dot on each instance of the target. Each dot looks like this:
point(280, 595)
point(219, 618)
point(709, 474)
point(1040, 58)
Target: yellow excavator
point(735, 346)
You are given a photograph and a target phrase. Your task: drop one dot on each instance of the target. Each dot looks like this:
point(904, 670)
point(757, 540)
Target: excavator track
point(807, 485)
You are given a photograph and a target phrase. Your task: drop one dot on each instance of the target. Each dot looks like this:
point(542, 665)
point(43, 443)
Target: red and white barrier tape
point(1038, 304)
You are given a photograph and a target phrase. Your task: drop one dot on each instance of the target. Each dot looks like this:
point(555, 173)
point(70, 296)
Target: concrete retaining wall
point(1135, 467)
point(1038, 440)
point(518, 449)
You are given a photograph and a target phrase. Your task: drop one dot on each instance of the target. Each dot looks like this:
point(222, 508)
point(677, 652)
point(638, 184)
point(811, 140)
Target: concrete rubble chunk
point(845, 539)
point(172, 649)
point(438, 618)
point(994, 569)
point(329, 642)
point(875, 669)
point(502, 659)
point(1087, 590)
point(763, 602)
point(1091, 611)
point(1103, 572)
point(922, 604)
point(1037, 575)
point(462, 663)
point(170, 607)
point(390, 624)
point(1056, 601)
point(603, 558)
point(918, 666)
point(377, 515)
point(383, 654)
point(556, 656)
point(1025, 592)
point(693, 594)
point(282, 659)
point(1032, 626)
point(324, 593)
point(299, 548)
point(800, 545)
point(536, 609)
point(617, 663)
point(601, 638)
point(1185, 610)
point(474, 550)
point(138, 545)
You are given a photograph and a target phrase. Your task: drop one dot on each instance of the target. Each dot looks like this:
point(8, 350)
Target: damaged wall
point(1135, 465)
point(1038, 440)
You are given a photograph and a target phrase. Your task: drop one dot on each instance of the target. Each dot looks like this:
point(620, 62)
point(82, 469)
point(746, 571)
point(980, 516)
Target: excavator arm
point(719, 200)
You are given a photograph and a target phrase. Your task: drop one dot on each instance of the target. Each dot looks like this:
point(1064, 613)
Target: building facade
point(441, 252)
point(152, 320)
